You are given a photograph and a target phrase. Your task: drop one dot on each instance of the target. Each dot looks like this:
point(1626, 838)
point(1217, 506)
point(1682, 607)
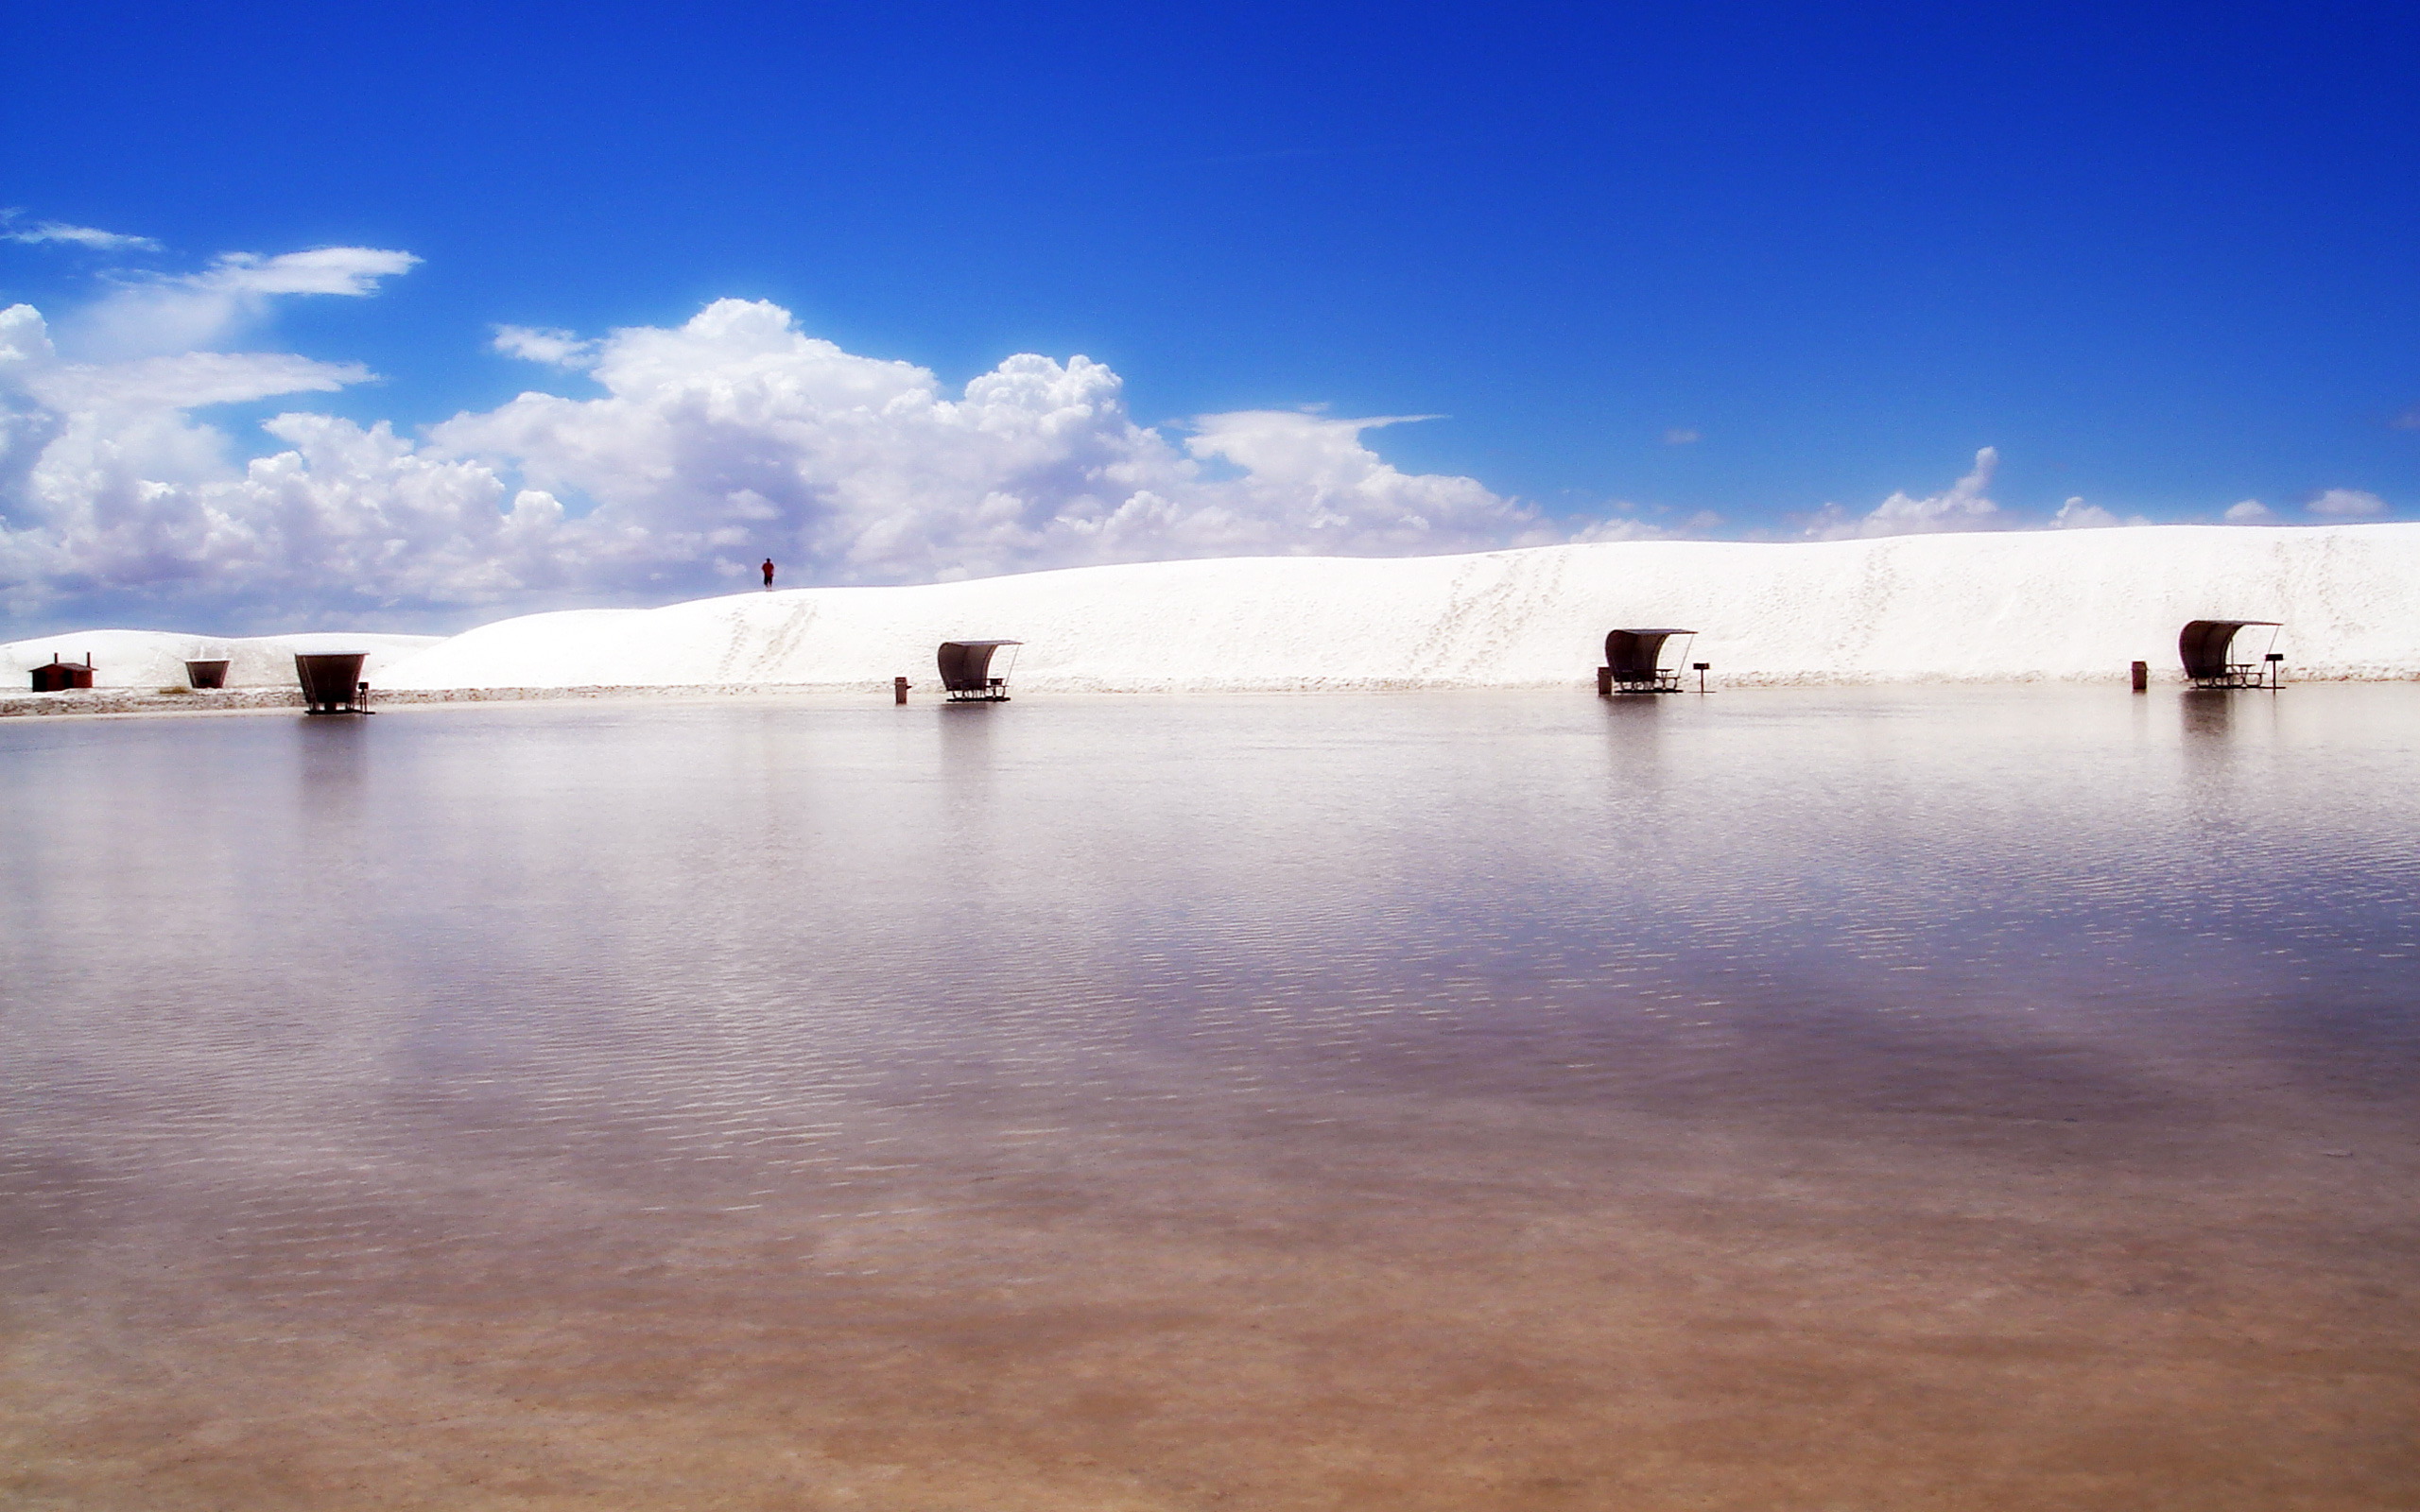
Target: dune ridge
point(2045, 605)
point(2065, 604)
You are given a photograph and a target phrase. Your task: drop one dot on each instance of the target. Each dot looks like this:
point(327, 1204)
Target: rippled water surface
point(1853, 1099)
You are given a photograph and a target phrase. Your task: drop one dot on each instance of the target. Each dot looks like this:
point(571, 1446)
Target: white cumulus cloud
point(2248, 512)
point(713, 443)
point(1962, 505)
point(690, 453)
point(2347, 504)
point(2077, 515)
point(737, 433)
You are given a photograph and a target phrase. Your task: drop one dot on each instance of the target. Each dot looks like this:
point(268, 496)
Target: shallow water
point(1844, 1099)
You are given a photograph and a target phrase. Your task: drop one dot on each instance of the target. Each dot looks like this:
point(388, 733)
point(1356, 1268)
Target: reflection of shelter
point(211, 674)
point(2207, 718)
point(332, 683)
point(62, 676)
point(2208, 646)
point(966, 671)
point(1635, 661)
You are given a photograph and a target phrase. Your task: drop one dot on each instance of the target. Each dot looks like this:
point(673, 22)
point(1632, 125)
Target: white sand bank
point(1980, 607)
point(2061, 605)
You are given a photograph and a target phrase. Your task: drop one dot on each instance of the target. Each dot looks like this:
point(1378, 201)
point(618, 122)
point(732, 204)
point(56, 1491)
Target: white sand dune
point(156, 659)
point(1977, 607)
point(2057, 605)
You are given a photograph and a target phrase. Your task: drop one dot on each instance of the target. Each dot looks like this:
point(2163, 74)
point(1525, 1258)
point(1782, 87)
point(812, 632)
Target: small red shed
point(60, 675)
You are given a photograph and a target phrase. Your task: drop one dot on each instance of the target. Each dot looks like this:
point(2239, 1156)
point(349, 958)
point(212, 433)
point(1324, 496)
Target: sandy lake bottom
point(1847, 1100)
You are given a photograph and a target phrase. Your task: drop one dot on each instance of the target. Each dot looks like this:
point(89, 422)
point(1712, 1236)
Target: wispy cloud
point(554, 346)
point(1682, 436)
point(2248, 512)
point(347, 270)
point(154, 313)
point(59, 231)
point(189, 380)
point(1622, 528)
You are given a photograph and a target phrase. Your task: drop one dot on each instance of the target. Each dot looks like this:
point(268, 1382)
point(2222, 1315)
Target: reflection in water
point(1881, 1098)
point(966, 764)
point(2207, 713)
point(1635, 743)
point(331, 776)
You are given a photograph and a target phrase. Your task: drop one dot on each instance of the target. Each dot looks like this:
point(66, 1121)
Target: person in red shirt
point(769, 572)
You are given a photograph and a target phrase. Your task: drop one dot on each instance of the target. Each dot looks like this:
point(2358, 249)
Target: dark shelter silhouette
point(769, 572)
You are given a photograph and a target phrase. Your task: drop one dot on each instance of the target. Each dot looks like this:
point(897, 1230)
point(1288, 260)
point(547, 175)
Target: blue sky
point(2159, 258)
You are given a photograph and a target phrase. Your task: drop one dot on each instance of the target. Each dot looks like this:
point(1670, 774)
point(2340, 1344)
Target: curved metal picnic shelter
point(1634, 661)
point(2207, 649)
point(332, 682)
point(966, 671)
